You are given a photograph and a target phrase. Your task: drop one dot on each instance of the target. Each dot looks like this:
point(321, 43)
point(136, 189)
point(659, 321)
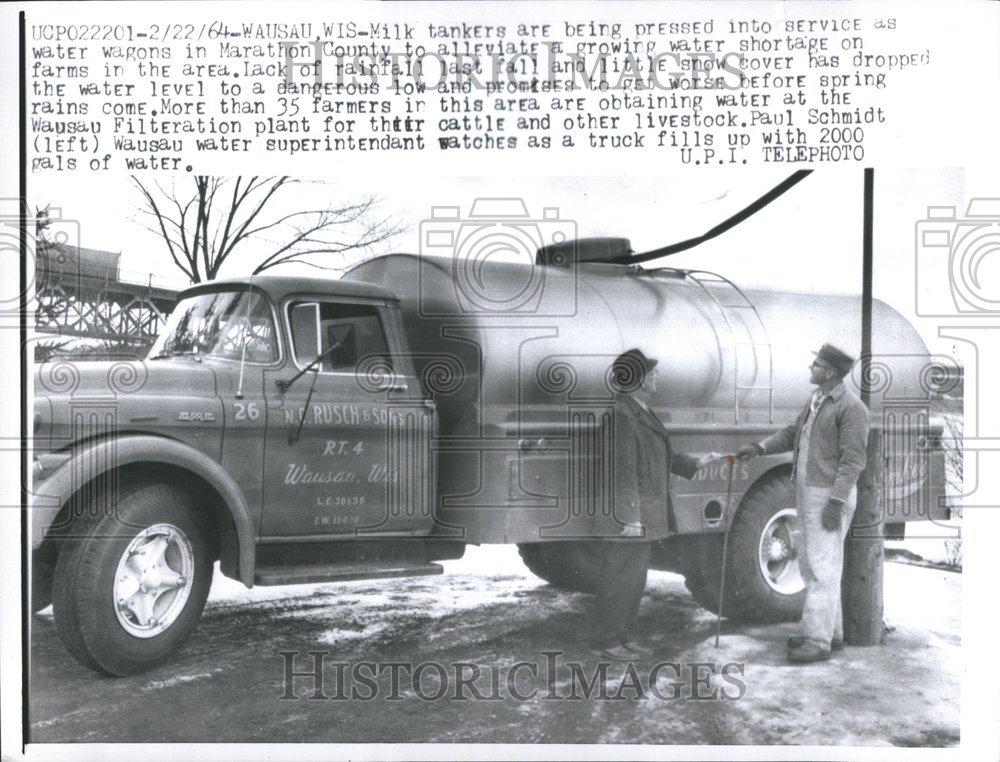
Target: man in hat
point(829, 439)
point(642, 465)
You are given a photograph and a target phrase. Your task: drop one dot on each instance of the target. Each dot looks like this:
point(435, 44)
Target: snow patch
point(339, 636)
point(155, 685)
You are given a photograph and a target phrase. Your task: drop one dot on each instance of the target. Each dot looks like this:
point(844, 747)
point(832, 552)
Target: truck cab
point(273, 419)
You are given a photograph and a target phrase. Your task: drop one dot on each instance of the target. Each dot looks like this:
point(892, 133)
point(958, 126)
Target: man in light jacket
point(829, 439)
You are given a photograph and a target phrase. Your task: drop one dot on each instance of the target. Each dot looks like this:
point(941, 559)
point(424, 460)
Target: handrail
point(703, 277)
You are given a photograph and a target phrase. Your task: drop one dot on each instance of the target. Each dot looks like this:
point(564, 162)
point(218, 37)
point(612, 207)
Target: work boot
point(808, 652)
point(796, 641)
point(617, 652)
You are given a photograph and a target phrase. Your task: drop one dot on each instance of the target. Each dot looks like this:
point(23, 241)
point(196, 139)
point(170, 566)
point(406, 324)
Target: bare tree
point(204, 224)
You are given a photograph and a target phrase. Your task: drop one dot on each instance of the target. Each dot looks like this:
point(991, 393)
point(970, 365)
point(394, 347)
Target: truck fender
point(102, 456)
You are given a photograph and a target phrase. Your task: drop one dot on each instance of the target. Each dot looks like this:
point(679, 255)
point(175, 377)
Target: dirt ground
point(488, 611)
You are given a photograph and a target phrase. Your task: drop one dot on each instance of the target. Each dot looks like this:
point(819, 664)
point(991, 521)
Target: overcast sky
point(808, 240)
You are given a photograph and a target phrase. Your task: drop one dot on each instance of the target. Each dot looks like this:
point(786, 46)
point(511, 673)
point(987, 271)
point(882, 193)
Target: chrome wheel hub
point(777, 554)
point(153, 580)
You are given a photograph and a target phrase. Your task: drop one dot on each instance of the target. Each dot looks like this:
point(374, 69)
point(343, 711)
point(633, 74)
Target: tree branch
point(155, 211)
point(208, 226)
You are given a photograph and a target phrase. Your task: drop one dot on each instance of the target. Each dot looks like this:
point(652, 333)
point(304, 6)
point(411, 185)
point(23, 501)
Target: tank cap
point(569, 253)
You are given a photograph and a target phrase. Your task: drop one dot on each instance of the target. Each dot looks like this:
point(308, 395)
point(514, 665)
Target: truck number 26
point(245, 412)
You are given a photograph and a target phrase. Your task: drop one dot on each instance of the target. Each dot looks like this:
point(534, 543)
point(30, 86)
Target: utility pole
point(864, 549)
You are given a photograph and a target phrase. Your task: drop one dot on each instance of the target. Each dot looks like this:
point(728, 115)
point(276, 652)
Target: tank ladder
point(704, 279)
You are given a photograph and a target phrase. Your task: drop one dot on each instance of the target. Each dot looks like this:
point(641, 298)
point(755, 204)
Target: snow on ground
point(503, 574)
point(488, 610)
point(481, 561)
point(904, 693)
point(930, 546)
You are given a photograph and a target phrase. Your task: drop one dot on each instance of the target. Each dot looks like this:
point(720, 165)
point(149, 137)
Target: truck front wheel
point(763, 581)
point(131, 586)
point(573, 566)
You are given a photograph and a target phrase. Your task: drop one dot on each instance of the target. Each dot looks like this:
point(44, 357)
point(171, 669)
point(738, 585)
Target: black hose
point(719, 229)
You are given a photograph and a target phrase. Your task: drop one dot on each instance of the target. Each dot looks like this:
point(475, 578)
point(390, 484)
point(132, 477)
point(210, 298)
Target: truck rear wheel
point(133, 585)
point(571, 566)
point(763, 582)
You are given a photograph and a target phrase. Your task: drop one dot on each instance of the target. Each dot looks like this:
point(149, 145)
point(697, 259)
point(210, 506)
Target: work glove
point(709, 458)
point(833, 515)
point(751, 450)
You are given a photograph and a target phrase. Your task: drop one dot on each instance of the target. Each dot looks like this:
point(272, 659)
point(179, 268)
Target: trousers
point(821, 562)
point(621, 583)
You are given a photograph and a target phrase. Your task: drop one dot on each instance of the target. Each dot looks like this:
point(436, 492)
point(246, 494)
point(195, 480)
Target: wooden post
point(864, 550)
point(864, 555)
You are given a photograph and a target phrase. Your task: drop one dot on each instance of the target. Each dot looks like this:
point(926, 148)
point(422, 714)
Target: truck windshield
point(220, 324)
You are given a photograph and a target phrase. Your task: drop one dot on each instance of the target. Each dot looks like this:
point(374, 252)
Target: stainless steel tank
point(517, 358)
point(509, 337)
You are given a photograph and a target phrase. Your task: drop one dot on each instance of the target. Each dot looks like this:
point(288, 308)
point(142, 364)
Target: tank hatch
point(576, 250)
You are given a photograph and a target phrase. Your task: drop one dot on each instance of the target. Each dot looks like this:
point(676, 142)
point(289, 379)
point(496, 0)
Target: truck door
point(346, 440)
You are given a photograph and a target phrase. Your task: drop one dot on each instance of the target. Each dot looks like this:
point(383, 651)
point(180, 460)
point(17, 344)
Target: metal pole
point(867, 264)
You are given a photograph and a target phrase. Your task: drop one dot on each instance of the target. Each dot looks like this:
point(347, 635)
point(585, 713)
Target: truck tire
point(763, 582)
point(131, 587)
point(570, 566)
point(41, 583)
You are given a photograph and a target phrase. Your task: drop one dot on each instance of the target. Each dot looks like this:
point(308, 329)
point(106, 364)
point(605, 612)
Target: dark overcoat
point(643, 463)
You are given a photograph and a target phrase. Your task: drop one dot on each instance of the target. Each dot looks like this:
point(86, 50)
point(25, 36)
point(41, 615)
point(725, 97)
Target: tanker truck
point(312, 430)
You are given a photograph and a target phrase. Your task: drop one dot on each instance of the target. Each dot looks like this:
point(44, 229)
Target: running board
point(298, 575)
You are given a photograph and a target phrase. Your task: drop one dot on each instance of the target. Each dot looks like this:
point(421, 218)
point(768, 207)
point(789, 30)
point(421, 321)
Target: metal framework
point(79, 293)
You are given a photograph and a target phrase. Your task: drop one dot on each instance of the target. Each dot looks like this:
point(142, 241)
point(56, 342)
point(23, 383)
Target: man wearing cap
point(642, 463)
point(829, 439)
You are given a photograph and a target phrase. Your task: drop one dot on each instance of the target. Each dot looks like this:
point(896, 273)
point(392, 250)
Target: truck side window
point(347, 334)
point(304, 320)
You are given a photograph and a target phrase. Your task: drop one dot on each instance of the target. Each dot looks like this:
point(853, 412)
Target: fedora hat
point(630, 368)
point(836, 358)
